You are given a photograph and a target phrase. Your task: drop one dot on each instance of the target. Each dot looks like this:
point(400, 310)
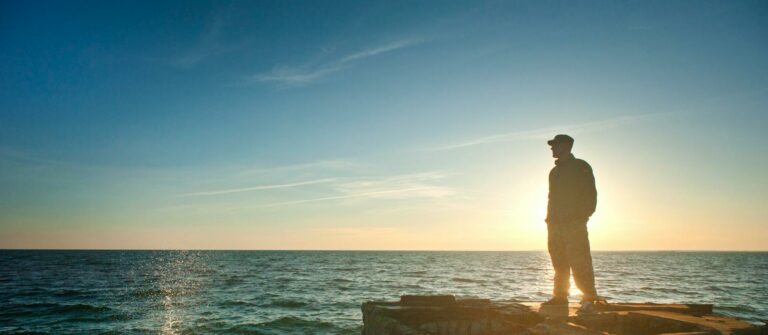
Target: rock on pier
point(438, 315)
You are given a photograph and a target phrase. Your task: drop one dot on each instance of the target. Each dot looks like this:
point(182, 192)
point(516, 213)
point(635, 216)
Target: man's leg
point(557, 244)
point(580, 259)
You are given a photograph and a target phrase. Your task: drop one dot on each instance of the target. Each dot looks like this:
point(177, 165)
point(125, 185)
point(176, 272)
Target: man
point(572, 200)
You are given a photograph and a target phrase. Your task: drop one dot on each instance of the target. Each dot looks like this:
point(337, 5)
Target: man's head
point(561, 145)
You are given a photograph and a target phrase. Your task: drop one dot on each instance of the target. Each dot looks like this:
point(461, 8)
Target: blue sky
point(410, 125)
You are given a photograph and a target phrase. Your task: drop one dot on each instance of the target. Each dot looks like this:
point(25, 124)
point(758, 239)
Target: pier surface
point(438, 315)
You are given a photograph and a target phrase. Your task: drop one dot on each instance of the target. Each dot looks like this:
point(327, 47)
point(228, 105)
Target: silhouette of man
point(572, 200)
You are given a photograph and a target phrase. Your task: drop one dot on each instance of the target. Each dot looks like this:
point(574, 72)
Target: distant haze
point(416, 125)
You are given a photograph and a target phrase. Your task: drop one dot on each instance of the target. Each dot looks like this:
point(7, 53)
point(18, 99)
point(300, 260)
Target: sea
point(320, 292)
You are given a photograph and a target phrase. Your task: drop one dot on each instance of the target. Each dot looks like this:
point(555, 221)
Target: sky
point(379, 125)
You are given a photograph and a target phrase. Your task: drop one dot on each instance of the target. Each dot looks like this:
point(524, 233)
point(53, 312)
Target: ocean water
point(320, 292)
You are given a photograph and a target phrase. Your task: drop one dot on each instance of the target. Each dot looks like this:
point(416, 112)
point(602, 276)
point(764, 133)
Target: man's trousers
point(569, 250)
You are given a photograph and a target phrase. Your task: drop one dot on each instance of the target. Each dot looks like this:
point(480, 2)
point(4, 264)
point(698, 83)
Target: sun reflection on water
point(178, 279)
point(169, 316)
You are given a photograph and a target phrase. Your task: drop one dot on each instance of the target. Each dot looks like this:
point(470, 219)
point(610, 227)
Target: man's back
point(572, 192)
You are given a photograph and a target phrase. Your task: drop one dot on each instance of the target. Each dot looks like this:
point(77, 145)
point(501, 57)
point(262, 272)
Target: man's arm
point(588, 192)
point(549, 198)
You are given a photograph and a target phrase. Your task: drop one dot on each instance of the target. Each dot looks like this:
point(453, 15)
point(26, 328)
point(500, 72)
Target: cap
point(561, 138)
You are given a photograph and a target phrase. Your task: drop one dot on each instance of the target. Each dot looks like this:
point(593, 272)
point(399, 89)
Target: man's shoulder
point(582, 164)
point(580, 161)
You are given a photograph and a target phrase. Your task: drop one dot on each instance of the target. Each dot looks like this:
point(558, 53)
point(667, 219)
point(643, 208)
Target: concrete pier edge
point(445, 314)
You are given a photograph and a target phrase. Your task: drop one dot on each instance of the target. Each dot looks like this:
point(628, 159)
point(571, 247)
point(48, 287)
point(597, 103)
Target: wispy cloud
point(333, 164)
point(211, 41)
point(307, 73)
point(258, 188)
point(405, 181)
point(406, 186)
point(541, 133)
point(380, 50)
point(391, 192)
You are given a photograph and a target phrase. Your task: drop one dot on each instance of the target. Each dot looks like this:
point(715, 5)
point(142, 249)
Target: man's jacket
point(572, 193)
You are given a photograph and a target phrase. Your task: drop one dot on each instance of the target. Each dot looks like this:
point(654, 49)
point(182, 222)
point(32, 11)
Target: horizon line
point(379, 250)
